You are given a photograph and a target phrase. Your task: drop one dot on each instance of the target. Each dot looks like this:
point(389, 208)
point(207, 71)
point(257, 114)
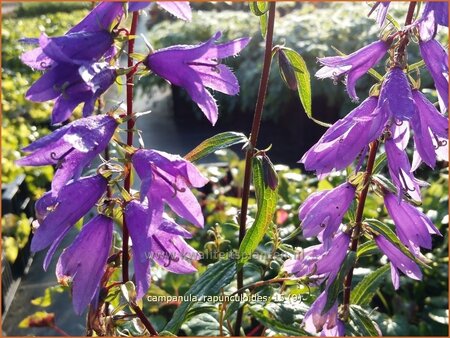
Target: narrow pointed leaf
point(365, 325)
point(217, 142)
point(364, 291)
point(276, 325)
point(267, 201)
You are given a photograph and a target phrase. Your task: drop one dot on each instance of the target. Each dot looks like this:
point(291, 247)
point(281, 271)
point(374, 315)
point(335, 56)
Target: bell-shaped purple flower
point(71, 85)
point(71, 148)
point(435, 13)
point(316, 321)
point(57, 214)
point(345, 140)
point(320, 261)
point(398, 262)
point(353, 65)
point(430, 132)
point(158, 238)
point(166, 177)
point(413, 227)
point(197, 67)
point(180, 9)
point(74, 48)
point(436, 60)
point(83, 262)
point(400, 170)
point(324, 211)
point(395, 96)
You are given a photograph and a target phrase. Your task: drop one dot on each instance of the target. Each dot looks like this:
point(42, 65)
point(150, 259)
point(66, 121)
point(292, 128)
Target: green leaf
point(267, 202)
point(46, 299)
point(363, 292)
point(263, 24)
point(361, 319)
point(209, 284)
point(277, 326)
point(380, 163)
point(333, 290)
point(217, 142)
point(366, 249)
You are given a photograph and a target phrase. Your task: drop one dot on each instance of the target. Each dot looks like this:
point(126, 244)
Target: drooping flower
point(166, 177)
point(83, 262)
point(430, 132)
point(100, 18)
point(71, 148)
point(197, 67)
point(320, 261)
point(69, 85)
point(180, 9)
point(78, 48)
point(400, 171)
point(382, 8)
point(413, 227)
point(354, 65)
point(395, 96)
point(436, 60)
point(324, 211)
point(399, 261)
point(316, 321)
point(342, 142)
point(435, 13)
point(57, 214)
point(158, 238)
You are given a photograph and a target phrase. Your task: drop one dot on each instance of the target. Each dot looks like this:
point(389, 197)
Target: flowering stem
point(359, 216)
point(130, 126)
point(144, 319)
point(251, 148)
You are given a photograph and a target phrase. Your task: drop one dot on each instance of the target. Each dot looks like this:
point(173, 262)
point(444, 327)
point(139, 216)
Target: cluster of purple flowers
point(387, 116)
point(78, 68)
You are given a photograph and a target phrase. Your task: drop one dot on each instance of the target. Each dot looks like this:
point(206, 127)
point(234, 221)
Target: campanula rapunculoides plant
point(149, 204)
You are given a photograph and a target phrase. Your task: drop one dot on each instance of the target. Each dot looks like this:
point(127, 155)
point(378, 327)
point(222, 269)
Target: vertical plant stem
point(130, 126)
point(127, 181)
point(359, 216)
point(251, 149)
point(363, 196)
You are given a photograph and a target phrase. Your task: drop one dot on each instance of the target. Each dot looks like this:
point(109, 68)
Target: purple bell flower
point(382, 9)
point(346, 139)
point(100, 18)
point(180, 9)
point(400, 171)
point(354, 65)
point(166, 177)
point(430, 132)
point(324, 211)
point(57, 214)
point(436, 60)
point(83, 262)
point(158, 238)
point(316, 321)
point(71, 148)
point(398, 262)
point(71, 85)
point(320, 261)
point(197, 67)
point(412, 226)
point(396, 97)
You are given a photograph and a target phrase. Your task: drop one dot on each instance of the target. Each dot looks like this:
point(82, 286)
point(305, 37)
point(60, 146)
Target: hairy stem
point(130, 126)
point(251, 149)
point(143, 319)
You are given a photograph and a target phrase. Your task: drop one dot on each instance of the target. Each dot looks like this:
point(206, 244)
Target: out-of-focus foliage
point(15, 233)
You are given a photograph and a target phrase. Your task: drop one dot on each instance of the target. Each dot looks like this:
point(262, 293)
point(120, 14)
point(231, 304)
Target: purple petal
point(204, 100)
point(181, 9)
point(226, 49)
point(100, 18)
point(137, 6)
point(84, 261)
point(221, 79)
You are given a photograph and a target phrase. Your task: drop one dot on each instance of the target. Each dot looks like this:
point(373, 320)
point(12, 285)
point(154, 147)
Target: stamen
point(60, 160)
point(176, 189)
point(405, 185)
point(169, 255)
point(398, 123)
point(439, 143)
point(214, 63)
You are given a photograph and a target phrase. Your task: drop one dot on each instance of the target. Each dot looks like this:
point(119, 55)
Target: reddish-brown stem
point(59, 330)
point(143, 319)
point(252, 144)
point(130, 126)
